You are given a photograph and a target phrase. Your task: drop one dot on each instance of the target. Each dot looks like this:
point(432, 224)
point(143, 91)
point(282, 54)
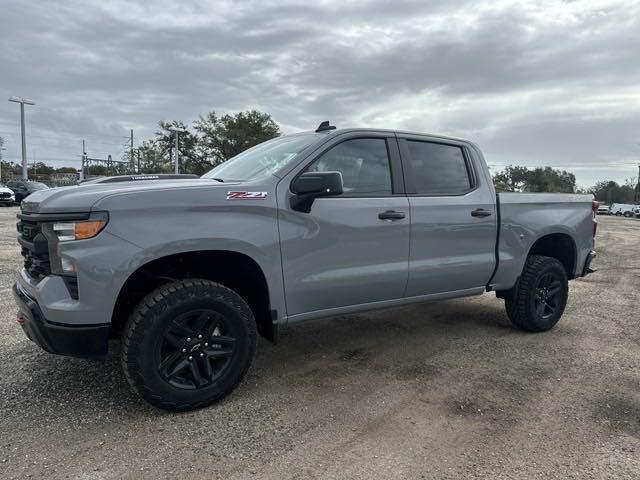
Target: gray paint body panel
point(450, 249)
point(338, 259)
point(527, 217)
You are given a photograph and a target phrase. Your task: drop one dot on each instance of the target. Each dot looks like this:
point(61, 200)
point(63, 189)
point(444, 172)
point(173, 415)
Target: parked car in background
point(23, 188)
point(622, 209)
point(636, 212)
point(604, 210)
point(7, 197)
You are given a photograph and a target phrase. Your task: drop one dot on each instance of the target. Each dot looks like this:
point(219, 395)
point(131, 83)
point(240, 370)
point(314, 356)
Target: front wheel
point(538, 300)
point(188, 344)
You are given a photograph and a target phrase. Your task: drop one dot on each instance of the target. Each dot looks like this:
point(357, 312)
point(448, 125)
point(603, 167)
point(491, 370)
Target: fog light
point(68, 265)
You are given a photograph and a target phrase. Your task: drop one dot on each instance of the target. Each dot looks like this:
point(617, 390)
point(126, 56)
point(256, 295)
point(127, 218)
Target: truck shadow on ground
point(401, 342)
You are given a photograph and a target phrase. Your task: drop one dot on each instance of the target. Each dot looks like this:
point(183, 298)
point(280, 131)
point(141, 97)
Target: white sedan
point(7, 197)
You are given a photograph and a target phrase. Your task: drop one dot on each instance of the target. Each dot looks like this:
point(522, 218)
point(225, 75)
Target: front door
point(353, 248)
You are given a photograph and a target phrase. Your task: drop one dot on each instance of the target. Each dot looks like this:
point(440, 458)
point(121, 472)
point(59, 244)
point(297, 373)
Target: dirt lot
point(445, 390)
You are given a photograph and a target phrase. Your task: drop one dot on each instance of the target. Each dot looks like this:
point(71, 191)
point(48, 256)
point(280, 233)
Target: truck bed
point(526, 217)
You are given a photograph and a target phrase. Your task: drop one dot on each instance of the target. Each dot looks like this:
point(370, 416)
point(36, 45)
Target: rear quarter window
point(438, 169)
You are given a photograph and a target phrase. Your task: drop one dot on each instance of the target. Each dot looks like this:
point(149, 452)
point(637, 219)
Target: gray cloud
point(534, 83)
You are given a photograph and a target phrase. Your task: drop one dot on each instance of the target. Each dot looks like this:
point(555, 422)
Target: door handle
point(391, 215)
point(480, 212)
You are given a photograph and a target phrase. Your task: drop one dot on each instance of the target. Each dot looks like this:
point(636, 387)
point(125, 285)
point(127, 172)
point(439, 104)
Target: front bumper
point(587, 269)
point(84, 341)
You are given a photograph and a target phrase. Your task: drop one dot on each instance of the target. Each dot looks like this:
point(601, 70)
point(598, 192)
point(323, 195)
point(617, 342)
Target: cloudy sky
point(550, 82)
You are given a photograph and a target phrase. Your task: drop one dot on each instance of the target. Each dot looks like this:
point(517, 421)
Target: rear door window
point(438, 169)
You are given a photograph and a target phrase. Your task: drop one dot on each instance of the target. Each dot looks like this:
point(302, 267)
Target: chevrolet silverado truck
point(187, 272)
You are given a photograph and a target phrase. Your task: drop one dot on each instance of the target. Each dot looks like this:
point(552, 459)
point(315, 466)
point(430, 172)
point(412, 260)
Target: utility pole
point(1, 148)
point(82, 161)
point(177, 154)
point(132, 160)
point(23, 102)
point(636, 196)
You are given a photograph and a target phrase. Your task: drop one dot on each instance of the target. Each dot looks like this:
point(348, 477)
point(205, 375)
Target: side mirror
point(311, 185)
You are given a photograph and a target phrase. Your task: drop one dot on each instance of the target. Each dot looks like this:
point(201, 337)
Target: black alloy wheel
point(196, 349)
point(539, 298)
point(548, 295)
point(188, 344)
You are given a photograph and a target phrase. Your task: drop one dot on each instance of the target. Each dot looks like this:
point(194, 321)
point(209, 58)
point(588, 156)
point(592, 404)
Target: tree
point(213, 140)
point(608, 191)
point(40, 168)
point(221, 138)
point(66, 170)
point(152, 158)
point(547, 179)
point(165, 141)
point(511, 179)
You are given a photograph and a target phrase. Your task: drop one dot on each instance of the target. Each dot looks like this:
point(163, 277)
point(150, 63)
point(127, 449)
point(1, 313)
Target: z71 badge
point(246, 195)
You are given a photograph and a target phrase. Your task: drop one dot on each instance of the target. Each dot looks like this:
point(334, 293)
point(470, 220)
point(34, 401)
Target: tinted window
point(438, 169)
point(363, 162)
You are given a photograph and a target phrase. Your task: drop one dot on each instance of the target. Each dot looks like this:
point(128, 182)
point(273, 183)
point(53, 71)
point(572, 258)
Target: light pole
point(23, 102)
point(177, 159)
point(1, 148)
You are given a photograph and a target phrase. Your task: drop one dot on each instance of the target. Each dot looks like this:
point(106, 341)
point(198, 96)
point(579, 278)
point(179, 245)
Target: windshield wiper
point(217, 179)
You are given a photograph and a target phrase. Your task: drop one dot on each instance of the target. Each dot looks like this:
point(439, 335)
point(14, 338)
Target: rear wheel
point(188, 344)
point(627, 214)
point(538, 300)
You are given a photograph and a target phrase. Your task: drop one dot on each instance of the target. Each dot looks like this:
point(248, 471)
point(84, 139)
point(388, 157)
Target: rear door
point(453, 217)
point(349, 250)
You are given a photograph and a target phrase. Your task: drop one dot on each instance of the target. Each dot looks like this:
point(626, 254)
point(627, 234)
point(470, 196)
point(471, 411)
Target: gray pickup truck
point(187, 272)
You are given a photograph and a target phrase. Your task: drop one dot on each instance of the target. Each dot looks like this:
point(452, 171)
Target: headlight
point(80, 230)
point(67, 231)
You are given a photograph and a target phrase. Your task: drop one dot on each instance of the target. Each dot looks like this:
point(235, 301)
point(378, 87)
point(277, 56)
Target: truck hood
point(81, 198)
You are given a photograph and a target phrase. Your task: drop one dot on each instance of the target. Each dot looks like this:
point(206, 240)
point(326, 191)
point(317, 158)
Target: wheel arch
point(560, 246)
point(236, 270)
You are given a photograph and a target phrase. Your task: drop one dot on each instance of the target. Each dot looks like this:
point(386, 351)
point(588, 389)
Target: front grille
point(5, 195)
point(35, 248)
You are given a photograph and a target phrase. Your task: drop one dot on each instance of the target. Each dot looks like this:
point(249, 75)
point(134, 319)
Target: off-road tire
point(146, 329)
point(520, 302)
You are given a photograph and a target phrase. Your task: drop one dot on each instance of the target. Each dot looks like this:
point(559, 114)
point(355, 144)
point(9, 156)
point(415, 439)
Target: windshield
point(262, 160)
point(36, 186)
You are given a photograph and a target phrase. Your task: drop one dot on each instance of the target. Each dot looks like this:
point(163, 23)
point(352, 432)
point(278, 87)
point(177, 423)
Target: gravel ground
point(446, 390)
